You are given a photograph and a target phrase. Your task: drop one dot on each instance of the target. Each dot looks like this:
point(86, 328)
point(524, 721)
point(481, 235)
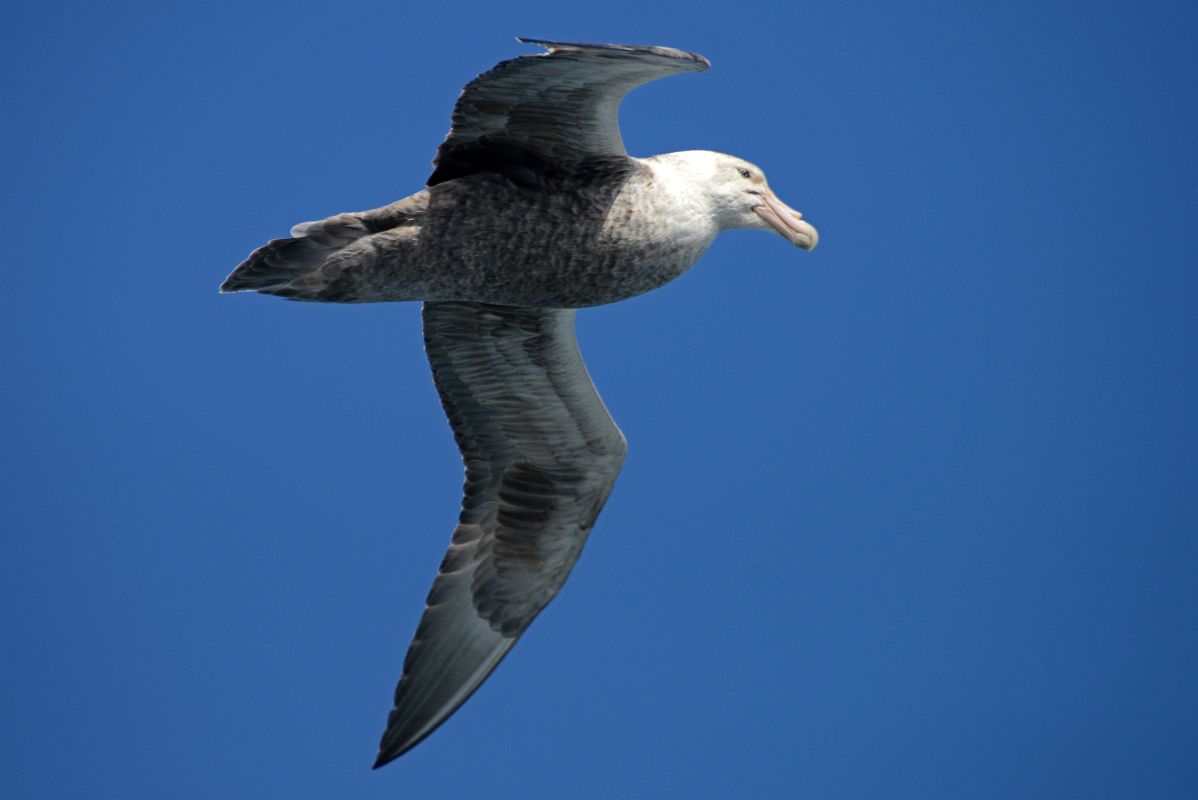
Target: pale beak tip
point(803, 235)
point(809, 241)
point(788, 223)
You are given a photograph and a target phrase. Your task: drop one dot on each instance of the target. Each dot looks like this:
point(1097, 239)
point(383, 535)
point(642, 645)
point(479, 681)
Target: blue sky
point(912, 515)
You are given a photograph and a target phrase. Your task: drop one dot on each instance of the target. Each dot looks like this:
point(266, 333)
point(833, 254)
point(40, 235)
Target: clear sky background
point(913, 515)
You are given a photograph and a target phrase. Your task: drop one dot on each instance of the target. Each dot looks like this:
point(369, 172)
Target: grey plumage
point(532, 115)
point(542, 455)
point(533, 210)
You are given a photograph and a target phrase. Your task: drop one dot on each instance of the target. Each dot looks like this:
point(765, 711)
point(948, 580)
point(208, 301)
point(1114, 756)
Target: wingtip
point(667, 52)
point(390, 752)
point(546, 43)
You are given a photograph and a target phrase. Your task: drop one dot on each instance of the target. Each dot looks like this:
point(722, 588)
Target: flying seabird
point(533, 210)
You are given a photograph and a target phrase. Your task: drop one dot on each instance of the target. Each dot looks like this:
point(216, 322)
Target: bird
point(533, 210)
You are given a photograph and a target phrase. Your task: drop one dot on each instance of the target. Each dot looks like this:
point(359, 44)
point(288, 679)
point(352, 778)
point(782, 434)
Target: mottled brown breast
point(565, 239)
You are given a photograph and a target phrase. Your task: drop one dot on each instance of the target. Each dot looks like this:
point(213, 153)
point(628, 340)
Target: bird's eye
point(744, 173)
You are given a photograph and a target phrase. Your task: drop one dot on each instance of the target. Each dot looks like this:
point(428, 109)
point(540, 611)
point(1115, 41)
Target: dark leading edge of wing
point(541, 455)
point(552, 108)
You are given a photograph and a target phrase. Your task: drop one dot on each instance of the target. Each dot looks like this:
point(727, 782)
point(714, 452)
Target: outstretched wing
point(554, 108)
point(541, 455)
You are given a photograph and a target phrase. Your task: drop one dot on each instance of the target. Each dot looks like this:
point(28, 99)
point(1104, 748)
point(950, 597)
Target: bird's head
point(739, 196)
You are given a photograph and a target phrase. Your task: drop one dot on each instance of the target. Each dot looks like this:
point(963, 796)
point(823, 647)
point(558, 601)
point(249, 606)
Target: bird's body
point(598, 233)
point(533, 210)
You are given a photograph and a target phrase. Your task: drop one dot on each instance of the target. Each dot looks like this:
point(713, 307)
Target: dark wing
point(553, 108)
point(542, 455)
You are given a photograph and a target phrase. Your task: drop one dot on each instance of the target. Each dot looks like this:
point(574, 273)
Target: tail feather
point(324, 260)
point(275, 265)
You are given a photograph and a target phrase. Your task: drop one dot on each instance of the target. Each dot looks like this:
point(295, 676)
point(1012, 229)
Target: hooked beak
point(788, 222)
